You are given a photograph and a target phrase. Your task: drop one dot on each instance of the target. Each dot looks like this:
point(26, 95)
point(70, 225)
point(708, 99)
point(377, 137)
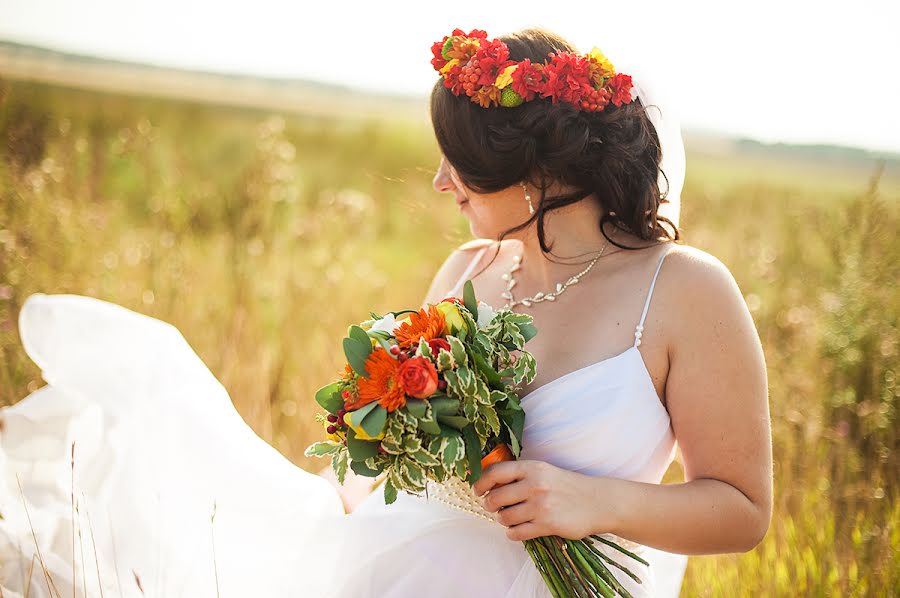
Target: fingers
point(505, 496)
point(516, 514)
point(497, 475)
point(524, 531)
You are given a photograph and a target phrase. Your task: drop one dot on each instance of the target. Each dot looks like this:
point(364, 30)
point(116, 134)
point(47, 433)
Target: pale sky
point(793, 71)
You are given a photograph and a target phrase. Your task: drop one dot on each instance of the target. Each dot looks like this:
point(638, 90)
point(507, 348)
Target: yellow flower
point(450, 64)
point(505, 76)
point(454, 320)
point(597, 56)
point(360, 433)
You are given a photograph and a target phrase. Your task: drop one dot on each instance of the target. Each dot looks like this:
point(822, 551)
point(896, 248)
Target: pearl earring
point(528, 198)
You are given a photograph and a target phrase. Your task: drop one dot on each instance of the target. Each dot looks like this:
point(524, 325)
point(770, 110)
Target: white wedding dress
point(173, 495)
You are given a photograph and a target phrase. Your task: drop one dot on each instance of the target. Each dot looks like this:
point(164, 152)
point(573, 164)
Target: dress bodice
point(603, 419)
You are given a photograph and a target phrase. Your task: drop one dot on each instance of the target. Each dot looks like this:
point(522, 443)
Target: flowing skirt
point(131, 474)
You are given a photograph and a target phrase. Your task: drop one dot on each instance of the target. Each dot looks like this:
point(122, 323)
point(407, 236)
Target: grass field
point(261, 236)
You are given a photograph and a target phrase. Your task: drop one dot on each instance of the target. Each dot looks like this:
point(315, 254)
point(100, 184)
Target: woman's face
point(489, 214)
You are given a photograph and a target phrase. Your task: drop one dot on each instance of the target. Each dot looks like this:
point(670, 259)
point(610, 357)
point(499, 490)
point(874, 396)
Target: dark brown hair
point(614, 153)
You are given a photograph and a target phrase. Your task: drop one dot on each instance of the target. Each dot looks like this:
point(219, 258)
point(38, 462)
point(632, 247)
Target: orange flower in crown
point(481, 69)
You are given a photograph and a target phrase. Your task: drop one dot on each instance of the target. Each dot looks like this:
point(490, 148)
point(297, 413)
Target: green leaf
point(373, 423)
point(412, 474)
point(469, 298)
point(357, 415)
point(454, 449)
point(485, 368)
point(458, 349)
point(416, 407)
point(456, 421)
point(445, 360)
point(490, 417)
point(429, 426)
point(423, 350)
point(320, 449)
point(391, 445)
point(444, 405)
point(360, 450)
point(470, 408)
point(329, 397)
point(411, 443)
point(515, 419)
point(390, 492)
point(473, 453)
point(356, 354)
point(339, 464)
point(447, 432)
point(513, 442)
point(528, 331)
point(360, 467)
point(423, 457)
point(359, 335)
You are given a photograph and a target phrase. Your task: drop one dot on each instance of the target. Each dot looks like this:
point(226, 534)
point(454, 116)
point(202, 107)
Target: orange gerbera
point(383, 384)
point(427, 324)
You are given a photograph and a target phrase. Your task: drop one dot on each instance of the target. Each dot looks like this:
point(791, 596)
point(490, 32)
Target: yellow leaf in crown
point(602, 61)
point(505, 76)
point(450, 64)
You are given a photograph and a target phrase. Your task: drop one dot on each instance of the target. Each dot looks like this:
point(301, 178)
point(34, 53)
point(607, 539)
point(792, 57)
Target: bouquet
point(433, 395)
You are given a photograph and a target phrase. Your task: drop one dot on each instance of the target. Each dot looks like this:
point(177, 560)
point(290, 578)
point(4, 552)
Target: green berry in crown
point(509, 98)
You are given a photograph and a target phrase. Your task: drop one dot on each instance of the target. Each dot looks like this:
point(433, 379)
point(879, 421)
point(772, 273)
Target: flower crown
point(481, 68)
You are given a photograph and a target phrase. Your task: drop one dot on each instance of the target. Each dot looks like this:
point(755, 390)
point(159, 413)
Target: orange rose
point(419, 377)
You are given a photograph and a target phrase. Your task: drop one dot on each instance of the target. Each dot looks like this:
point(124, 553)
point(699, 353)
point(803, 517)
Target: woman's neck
point(574, 236)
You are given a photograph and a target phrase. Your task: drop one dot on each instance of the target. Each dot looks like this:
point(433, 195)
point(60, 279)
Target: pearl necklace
point(539, 297)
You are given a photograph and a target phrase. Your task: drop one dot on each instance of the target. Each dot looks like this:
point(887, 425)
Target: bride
point(131, 474)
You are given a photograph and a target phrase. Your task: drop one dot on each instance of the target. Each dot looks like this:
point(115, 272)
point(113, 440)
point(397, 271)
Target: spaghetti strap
point(639, 331)
point(468, 270)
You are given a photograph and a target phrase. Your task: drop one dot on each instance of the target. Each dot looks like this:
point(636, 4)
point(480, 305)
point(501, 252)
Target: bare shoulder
point(694, 275)
point(454, 265)
point(701, 299)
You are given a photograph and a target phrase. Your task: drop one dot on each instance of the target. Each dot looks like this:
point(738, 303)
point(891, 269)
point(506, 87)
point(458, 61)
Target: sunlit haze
point(807, 72)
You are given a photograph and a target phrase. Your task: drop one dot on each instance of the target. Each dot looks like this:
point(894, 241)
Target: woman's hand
point(535, 498)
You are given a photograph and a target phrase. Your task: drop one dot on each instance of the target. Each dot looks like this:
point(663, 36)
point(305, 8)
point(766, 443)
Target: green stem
point(558, 587)
point(562, 547)
point(541, 565)
point(620, 549)
point(602, 570)
point(614, 563)
point(600, 584)
point(570, 581)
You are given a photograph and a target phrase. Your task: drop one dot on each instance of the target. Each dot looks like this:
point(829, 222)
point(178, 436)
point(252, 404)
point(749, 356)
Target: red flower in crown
point(620, 86)
point(452, 79)
point(567, 78)
point(527, 79)
point(491, 58)
point(437, 49)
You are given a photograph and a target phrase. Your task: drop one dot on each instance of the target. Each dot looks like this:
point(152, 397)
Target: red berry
point(442, 384)
point(403, 357)
point(381, 449)
point(341, 413)
point(331, 429)
point(395, 350)
point(332, 417)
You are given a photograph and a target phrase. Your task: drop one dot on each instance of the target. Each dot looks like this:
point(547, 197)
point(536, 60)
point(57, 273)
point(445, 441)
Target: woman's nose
point(442, 181)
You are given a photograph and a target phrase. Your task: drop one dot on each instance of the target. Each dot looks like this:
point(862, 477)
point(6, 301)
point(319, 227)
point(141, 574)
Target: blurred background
point(259, 175)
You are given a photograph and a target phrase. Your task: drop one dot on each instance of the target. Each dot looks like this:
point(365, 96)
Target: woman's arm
point(717, 397)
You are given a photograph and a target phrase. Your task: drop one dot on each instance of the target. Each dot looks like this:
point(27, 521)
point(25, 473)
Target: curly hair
point(614, 154)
